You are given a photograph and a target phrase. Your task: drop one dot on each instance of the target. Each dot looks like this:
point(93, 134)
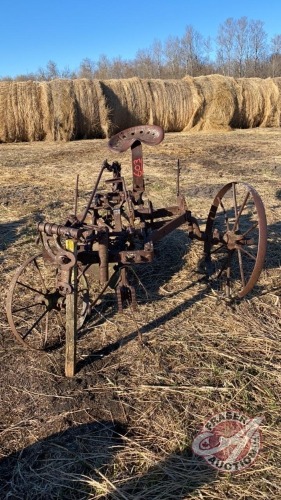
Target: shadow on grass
point(143, 331)
point(10, 232)
point(54, 467)
point(159, 274)
point(79, 463)
point(176, 478)
point(273, 257)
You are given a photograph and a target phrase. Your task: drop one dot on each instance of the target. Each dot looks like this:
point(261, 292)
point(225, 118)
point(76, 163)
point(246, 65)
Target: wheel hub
point(234, 240)
point(52, 300)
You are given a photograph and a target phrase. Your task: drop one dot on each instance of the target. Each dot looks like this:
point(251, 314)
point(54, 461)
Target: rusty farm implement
point(49, 300)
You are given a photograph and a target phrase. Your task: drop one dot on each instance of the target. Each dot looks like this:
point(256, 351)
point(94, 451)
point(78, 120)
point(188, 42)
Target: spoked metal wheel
point(236, 239)
point(36, 308)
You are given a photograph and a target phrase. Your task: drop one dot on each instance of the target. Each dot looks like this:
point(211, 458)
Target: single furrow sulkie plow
point(48, 300)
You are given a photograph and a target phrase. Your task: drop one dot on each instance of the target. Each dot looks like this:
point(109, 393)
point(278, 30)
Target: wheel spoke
point(46, 329)
point(250, 229)
point(234, 196)
point(30, 288)
point(223, 267)
point(35, 324)
point(225, 214)
point(242, 249)
point(25, 308)
point(216, 250)
point(241, 267)
point(40, 274)
point(228, 272)
point(237, 217)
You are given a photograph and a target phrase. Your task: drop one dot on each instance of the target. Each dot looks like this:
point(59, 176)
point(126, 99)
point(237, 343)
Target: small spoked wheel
point(35, 307)
point(236, 239)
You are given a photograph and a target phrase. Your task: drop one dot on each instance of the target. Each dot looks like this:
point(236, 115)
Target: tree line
point(241, 48)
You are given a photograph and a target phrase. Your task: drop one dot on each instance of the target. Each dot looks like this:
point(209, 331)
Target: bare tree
point(242, 44)
point(173, 57)
point(51, 72)
point(192, 50)
point(121, 68)
point(275, 58)
point(226, 46)
point(68, 73)
point(6, 78)
point(144, 65)
point(87, 68)
point(103, 68)
point(157, 56)
point(241, 47)
point(257, 47)
point(23, 78)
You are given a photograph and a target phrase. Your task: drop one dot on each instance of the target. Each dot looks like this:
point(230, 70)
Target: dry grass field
point(123, 427)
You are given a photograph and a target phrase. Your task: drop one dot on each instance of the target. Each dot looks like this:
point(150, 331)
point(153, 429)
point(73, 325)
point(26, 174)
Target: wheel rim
point(36, 308)
point(236, 240)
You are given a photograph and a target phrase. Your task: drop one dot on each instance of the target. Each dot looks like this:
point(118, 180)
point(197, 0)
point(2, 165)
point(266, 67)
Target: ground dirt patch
point(124, 425)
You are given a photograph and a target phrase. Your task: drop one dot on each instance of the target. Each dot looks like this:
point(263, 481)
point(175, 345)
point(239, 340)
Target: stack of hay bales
point(53, 110)
point(84, 108)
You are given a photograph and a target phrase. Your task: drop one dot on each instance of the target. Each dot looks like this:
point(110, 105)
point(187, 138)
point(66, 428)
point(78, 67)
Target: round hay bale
point(195, 102)
point(158, 102)
point(20, 112)
point(126, 101)
point(138, 99)
point(271, 100)
point(217, 108)
point(174, 103)
point(254, 102)
point(277, 82)
point(4, 93)
point(59, 109)
point(91, 113)
point(251, 109)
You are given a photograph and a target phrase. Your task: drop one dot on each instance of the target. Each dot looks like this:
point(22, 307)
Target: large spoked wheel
point(236, 242)
point(35, 307)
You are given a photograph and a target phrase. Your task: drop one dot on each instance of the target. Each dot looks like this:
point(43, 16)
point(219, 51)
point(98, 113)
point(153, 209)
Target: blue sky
point(34, 32)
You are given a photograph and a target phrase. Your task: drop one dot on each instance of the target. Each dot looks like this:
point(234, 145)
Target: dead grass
point(124, 425)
